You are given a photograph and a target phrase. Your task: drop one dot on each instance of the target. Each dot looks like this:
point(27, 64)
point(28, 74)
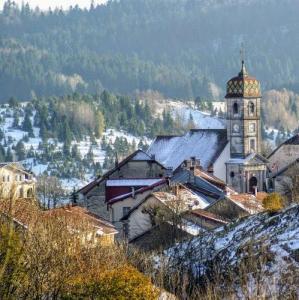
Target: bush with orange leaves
point(47, 260)
point(273, 202)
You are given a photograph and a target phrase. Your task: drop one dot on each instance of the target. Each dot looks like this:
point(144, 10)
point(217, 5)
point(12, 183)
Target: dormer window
point(235, 109)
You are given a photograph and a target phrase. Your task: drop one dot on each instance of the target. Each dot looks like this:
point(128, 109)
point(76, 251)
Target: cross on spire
point(242, 53)
point(242, 56)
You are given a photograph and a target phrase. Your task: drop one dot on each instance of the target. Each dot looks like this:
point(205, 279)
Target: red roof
point(208, 215)
point(139, 191)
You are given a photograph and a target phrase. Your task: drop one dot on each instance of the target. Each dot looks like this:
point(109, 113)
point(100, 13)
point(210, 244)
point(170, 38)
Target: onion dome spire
point(243, 85)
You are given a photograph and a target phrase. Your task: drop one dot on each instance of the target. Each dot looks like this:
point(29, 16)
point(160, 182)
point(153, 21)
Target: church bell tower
point(246, 169)
point(243, 98)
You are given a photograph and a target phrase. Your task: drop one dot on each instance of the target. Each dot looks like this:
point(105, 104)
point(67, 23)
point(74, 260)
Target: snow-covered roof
point(200, 185)
point(294, 140)
point(247, 202)
point(186, 197)
point(249, 159)
point(203, 144)
point(132, 182)
point(140, 155)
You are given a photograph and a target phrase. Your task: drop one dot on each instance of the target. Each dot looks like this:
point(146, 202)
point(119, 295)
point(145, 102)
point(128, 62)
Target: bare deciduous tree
point(50, 191)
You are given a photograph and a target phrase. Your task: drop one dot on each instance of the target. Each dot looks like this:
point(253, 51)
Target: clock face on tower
point(236, 128)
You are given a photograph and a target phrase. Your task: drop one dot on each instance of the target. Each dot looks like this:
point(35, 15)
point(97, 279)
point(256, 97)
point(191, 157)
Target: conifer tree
point(27, 125)
point(9, 156)
point(20, 150)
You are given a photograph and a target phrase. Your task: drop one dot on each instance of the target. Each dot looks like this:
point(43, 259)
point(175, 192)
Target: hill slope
point(258, 254)
point(178, 47)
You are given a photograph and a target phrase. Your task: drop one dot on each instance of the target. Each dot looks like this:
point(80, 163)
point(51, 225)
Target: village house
point(284, 155)
point(91, 229)
point(286, 181)
point(161, 207)
point(204, 219)
point(138, 165)
point(234, 206)
point(16, 181)
point(96, 229)
point(284, 168)
point(120, 205)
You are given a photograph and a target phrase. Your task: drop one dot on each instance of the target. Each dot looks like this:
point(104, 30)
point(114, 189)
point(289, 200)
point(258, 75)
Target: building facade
point(15, 181)
point(246, 170)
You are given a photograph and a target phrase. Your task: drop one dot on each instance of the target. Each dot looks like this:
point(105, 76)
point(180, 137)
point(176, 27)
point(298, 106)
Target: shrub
point(273, 202)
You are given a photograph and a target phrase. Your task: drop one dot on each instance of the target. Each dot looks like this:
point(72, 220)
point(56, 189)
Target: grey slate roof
point(203, 144)
point(199, 185)
point(294, 140)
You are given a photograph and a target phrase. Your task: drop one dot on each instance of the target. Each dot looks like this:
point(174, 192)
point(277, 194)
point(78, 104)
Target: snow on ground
point(183, 111)
point(14, 135)
point(272, 237)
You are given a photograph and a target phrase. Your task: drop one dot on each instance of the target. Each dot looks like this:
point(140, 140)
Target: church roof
point(252, 158)
point(243, 86)
point(203, 144)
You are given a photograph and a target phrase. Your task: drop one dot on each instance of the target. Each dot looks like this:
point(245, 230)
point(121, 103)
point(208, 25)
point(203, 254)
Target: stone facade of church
point(246, 170)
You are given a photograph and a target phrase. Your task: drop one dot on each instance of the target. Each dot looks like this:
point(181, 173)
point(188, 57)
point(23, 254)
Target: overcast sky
point(44, 4)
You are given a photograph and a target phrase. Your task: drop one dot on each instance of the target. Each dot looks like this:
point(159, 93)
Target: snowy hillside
point(33, 146)
point(185, 113)
point(266, 245)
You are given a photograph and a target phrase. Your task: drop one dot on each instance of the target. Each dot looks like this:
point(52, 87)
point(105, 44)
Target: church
point(232, 154)
point(222, 166)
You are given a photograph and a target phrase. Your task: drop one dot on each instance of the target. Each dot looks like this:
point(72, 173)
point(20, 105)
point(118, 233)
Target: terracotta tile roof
point(79, 213)
point(23, 212)
point(208, 215)
point(210, 178)
point(248, 202)
point(186, 197)
point(261, 196)
point(28, 214)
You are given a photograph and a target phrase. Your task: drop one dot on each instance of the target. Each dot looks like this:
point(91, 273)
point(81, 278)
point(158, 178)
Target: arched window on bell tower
point(251, 108)
point(235, 108)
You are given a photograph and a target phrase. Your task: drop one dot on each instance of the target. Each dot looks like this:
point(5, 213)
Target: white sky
point(45, 4)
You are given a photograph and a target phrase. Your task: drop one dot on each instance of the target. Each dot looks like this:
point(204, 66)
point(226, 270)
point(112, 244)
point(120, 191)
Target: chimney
point(227, 192)
point(169, 172)
point(153, 157)
point(255, 191)
point(192, 174)
point(187, 164)
point(176, 190)
point(193, 161)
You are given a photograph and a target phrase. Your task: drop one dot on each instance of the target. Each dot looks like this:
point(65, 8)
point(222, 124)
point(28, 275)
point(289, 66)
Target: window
point(3, 178)
point(252, 144)
point(232, 174)
point(252, 127)
point(29, 193)
point(235, 109)
point(21, 192)
point(126, 209)
point(8, 179)
point(251, 108)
